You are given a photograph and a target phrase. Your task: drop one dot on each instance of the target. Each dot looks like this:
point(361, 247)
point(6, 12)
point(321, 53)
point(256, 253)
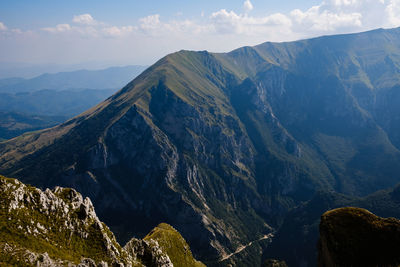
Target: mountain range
point(110, 78)
point(223, 146)
point(50, 99)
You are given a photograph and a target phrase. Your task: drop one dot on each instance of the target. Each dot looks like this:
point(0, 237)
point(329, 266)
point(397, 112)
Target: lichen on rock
point(60, 228)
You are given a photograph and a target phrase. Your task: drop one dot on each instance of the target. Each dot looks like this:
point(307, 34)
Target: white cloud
point(150, 22)
point(329, 17)
point(229, 22)
point(393, 13)
point(222, 30)
point(247, 6)
point(319, 20)
point(58, 28)
point(226, 22)
point(85, 19)
point(345, 2)
point(115, 31)
point(336, 16)
point(153, 26)
point(19, 31)
point(84, 25)
point(2, 27)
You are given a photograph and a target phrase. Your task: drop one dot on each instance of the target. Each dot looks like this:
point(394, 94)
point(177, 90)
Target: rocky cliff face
point(59, 227)
point(221, 146)
point(356, 237)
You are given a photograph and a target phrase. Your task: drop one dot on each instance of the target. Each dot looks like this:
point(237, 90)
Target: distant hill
point(111, 78)
point(49, 99)
point(66, 103)
point(10, 81)
point(13, 124)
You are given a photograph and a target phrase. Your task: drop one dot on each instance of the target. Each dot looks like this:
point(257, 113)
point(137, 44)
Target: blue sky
point(40, 13)
point(124, 32)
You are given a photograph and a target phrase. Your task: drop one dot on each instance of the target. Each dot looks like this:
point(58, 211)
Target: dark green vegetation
point(356, 237)
point(58, 228)
point(13, 124)
point(223, 146)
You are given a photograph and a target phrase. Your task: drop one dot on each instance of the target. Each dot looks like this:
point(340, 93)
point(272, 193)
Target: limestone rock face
point(59, 227)
point(356, 237)
point(149, 252)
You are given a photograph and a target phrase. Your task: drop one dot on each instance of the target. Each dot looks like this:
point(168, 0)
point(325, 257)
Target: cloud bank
point(2, 26)
point(152, 36)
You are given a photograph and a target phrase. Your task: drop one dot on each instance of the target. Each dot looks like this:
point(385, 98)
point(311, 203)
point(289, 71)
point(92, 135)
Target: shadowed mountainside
point(222, 146)
point(299, 231)
point(356, 237)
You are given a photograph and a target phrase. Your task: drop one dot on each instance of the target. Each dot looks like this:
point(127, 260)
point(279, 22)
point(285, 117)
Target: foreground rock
point(274, 263)
point(356, 237)
point(59, 227)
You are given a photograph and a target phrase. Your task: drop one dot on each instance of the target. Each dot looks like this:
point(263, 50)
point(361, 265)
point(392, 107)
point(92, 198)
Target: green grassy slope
point(59, 227)
point(174, 245)
point(61, 230)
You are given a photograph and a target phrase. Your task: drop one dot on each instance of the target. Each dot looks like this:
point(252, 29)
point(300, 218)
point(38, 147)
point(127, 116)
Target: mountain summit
point(222, 145)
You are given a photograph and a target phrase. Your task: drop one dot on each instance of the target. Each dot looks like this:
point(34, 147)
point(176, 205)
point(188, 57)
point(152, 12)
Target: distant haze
point(133, 32)
point(31, 70)
point(110, 78)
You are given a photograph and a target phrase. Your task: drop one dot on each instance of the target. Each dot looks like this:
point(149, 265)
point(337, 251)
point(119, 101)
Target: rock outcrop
point(59, 227)
point(274, 263)
point(356, 237)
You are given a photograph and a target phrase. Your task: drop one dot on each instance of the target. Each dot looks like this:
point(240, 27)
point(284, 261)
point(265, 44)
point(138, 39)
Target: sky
point(90, 33)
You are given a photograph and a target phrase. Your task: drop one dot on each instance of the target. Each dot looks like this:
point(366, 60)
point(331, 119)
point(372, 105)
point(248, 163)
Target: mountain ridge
point(109, 78)
point(226, 144)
